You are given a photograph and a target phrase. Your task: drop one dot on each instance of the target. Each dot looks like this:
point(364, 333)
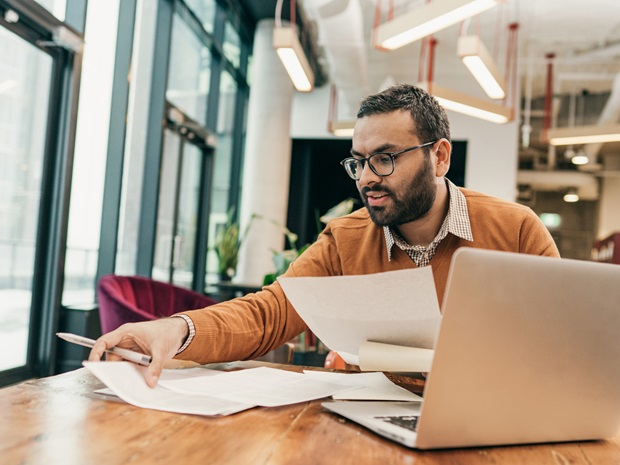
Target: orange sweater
point(251, 326)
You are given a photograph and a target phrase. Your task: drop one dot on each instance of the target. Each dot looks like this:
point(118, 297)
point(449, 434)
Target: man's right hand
point(161, 339)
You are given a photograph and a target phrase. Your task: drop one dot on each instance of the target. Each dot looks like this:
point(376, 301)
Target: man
point(413, 216)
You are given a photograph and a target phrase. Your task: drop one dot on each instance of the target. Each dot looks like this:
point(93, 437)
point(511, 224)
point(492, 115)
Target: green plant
point(282, 260)
point(227, 244)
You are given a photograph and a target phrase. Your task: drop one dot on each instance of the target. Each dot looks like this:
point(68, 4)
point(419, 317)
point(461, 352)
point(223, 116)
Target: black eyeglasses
point(382, 164)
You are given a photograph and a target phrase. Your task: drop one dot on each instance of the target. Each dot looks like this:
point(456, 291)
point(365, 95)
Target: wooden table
point(58, 420)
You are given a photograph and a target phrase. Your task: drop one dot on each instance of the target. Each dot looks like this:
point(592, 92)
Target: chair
point(129, 299)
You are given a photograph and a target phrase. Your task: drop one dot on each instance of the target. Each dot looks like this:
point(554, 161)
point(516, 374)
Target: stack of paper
point(208, 392)
point(397, 308)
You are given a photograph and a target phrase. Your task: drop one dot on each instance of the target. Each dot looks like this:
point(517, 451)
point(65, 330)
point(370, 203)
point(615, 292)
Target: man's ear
point(443, 151)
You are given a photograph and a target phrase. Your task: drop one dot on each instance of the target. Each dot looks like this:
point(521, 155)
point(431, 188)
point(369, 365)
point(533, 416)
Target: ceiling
point(583, 35)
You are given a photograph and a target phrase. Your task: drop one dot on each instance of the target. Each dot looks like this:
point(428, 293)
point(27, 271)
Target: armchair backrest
point(128, 299)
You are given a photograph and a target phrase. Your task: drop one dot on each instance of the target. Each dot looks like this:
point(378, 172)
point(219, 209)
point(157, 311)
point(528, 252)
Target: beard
point(416, 201)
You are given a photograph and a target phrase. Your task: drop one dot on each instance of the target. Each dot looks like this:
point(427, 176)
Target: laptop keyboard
point(408, 422)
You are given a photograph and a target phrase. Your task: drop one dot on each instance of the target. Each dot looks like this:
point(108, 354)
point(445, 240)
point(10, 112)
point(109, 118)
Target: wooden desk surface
point(59, 420)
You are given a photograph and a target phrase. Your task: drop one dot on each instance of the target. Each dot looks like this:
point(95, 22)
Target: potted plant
point(227, 244)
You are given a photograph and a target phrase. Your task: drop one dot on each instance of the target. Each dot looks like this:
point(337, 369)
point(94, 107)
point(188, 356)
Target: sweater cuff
point(192, 332)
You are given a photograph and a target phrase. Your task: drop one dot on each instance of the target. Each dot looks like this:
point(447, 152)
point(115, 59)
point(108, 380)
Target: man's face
point(409, 192)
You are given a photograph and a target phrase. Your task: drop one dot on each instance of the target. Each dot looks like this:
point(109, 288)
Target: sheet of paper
point(369, 386)
point(394, 307)
point(168, 374)
point(126, 380)
point(267, 387)
point(375, 356)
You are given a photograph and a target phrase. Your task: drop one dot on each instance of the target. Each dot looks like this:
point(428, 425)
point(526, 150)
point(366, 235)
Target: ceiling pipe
point(340, 26)
point(609, 115)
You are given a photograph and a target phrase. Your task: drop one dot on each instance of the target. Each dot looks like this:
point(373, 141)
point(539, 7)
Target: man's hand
point(160, 339)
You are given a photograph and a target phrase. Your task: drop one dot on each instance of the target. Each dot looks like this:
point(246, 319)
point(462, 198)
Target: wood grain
point(59, 420)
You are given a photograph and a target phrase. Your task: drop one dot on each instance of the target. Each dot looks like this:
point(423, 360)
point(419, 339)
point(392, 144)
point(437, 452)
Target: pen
point(127, 354)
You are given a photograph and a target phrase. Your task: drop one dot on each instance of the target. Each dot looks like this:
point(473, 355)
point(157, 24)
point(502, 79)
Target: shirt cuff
point(192, 332)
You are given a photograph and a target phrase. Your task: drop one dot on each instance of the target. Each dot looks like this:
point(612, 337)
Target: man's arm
point(242, 328)
point(534, 237)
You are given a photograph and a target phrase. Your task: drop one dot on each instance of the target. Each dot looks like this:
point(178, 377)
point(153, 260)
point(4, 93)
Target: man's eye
point(382, 158)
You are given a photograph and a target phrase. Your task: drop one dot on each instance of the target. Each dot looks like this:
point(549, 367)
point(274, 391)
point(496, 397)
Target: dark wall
point(318, 182)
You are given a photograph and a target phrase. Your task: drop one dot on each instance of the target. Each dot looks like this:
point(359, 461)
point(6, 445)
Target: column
point(267, 161)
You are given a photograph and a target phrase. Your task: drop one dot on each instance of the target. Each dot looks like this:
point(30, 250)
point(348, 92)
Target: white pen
point(127, 354)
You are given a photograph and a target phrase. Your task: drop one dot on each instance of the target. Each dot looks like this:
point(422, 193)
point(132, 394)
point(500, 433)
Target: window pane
point(91, 146)
point(189, 195)
point(204, 11)
point(223, 159)
point(56, 7)
point(168, 181)
point(25, 75)
point(189, 72)
point(232, 45)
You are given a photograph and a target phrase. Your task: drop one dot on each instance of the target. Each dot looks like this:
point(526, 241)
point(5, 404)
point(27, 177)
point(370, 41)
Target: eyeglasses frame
point(392, 156)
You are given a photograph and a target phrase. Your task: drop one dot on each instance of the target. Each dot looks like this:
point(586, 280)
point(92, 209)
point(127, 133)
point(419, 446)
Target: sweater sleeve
point(250, 326)
point(534, 237)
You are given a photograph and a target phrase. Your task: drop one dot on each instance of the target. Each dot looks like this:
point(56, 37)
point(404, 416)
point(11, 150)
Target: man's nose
point(368, 176)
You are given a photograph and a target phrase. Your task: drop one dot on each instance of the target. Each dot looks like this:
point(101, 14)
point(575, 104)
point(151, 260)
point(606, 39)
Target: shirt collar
point(456, 221)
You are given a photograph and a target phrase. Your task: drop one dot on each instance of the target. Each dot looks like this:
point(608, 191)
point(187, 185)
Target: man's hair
point(429, 118)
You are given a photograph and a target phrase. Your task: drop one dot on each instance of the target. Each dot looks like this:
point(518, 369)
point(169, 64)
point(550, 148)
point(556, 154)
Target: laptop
point(528, 352)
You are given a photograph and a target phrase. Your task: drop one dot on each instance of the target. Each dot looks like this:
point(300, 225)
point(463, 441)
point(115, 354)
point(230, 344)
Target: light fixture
point(293, 58)
point(463, 103)
point(551, 220)
point(426, 20)
point(571, 195)
point(584, 134)
point(481, 65)
point(342, 128)
point(580, 158)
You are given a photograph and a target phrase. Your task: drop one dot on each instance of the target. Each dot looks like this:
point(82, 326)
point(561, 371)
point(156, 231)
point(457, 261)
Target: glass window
point(25, 78)
point(57, 7)
point(166, 207)
point(204, 11)
point(223, 160)
point(187, 221)
point(91, 147)
point(232, 45)
point(189, 72)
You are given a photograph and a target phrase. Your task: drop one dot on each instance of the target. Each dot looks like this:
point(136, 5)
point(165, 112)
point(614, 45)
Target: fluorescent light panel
point(576, 135)
point(342, 128)
point(428, 19)
point(293, 58)
point(463, 103)
point(482, 66)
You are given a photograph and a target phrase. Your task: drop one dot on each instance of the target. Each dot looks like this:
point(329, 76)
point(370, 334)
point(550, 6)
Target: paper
point(394, 307)
point(208, 392)
point(375, 356)
point(126, 380)
point(369, 386)
point(266, 387)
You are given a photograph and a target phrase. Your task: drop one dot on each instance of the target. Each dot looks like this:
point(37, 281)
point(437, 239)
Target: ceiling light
point(428, 19)
point(481, 65)
point(463, 103)
point(571, 195)
point(580, 158)
point(584, 134)
point(342, 128)
point(293, 57)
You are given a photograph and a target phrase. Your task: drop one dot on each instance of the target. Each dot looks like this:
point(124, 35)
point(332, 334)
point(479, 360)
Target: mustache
point(367, 189)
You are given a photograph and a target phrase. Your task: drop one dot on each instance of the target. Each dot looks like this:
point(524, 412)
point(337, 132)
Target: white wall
point(491, 148)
